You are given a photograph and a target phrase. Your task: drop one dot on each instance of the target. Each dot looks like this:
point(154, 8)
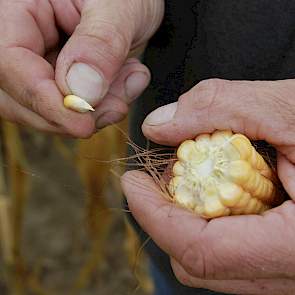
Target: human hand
point(36, 72)
point(235, 254)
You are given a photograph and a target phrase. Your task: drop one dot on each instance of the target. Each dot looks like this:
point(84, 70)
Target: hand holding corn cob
point(246, 254)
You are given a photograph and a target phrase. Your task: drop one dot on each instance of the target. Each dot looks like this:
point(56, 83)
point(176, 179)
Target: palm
point(229, 254)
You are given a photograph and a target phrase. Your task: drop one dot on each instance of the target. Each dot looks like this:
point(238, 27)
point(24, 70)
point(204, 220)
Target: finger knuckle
point(194, 262)
point(200, 262)
point(204, 95)
point(34, 99)
point(111, 40)
point(207, 92)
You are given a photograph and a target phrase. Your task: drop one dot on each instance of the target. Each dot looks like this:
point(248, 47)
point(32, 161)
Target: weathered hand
point(237, 254)
point(36, 70)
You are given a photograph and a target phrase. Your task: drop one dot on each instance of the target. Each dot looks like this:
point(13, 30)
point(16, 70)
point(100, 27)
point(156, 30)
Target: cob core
point(222, 174)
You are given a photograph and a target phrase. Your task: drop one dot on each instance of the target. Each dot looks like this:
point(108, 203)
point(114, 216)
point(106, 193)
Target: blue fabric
point(162, 286)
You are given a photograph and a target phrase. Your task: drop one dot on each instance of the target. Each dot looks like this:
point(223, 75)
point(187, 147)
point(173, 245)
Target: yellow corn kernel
point(178, 168)
point(244, 200)
point(188, 152)
point(250, 180)
point(258, 163)
point(222, 174)
point(220, 137)
point(213, 207)
point(243, 145)
point(77, 104)
point(230, 194)
point(248, 152)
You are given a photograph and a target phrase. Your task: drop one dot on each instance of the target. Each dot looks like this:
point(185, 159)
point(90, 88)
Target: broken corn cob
point(222, 174)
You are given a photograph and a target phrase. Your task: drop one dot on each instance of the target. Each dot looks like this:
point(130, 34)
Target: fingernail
point(135, 84)
point(161, 115)
point(85, 82)
point(109, 118)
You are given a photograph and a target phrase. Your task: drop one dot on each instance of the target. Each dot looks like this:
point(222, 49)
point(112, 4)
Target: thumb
point(217, 104)
point(99, 46)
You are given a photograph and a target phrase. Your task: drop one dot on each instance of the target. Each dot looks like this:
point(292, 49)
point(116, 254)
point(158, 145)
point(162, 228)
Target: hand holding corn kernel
point(38, 67)
point(220, 173)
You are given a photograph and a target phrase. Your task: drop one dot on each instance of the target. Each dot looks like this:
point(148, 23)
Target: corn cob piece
point(222, 174)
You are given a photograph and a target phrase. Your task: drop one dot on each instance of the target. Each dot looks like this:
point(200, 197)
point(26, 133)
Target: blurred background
point(62, 227)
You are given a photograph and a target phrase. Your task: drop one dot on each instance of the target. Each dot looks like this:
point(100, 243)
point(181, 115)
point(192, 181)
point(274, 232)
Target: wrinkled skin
point(34, 62)
point(236, 254)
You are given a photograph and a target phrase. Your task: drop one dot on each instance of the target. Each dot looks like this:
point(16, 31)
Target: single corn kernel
point(230, 193)
point(77, 104)
point(214, 207)
point(178, 168)
point(222, 174)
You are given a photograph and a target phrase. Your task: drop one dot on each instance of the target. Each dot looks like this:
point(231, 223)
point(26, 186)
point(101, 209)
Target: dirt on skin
point(55, 242)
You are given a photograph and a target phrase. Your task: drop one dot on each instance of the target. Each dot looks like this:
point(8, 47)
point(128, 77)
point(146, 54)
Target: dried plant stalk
point(100, 148)
point(6, 230)
point(137, 258)
point(17, 189)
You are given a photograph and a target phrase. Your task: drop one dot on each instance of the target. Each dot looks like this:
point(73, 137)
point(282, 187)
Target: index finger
point(217, 104)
